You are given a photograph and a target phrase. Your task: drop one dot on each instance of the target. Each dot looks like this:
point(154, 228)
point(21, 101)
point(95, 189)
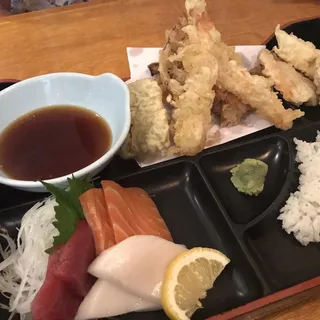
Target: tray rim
point(289, 23)
point(268, 300)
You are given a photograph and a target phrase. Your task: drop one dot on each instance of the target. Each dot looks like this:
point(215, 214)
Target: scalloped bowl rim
point(24, 184)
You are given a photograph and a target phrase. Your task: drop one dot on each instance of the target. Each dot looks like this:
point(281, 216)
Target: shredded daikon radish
point(24, 265)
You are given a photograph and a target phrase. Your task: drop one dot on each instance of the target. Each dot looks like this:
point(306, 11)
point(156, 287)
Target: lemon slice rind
point(168, 300)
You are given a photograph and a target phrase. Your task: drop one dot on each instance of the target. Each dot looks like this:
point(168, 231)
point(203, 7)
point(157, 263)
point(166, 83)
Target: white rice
point(301, 213)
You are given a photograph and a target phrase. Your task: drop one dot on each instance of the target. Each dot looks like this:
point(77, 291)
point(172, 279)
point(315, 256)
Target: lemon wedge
point(187, 279)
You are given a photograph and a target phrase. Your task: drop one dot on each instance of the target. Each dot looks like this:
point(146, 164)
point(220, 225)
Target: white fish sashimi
point(108, 300)
point(137, 265)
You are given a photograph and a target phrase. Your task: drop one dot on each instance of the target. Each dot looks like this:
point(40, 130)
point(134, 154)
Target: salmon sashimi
point(121, 217)
point(127, 207)
point(96, 213)
point(146, 214)
point(132, 212)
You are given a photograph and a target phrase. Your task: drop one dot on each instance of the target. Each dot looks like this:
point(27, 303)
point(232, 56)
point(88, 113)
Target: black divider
point(308, 134)
point(281, 257)
point(242, 208)
point(194, 219)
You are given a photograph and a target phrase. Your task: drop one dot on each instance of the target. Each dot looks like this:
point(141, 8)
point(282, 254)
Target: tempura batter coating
point(253, 90)
point(294, 87)
point(229, 108)
point(149, 133)
point(257, 92)
point(303, 55)
point(188, 71)
point(317, 77)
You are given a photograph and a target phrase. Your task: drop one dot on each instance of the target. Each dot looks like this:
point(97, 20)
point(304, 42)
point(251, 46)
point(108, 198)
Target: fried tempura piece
point(302, 55)
point(257, 92)
point(149, 133)
point(257, 70)
point(154, 68)
point(226, 106)
point(317, 77)
point(294, 87)
point(188, 71)
point(253, 90)
point(229, 108)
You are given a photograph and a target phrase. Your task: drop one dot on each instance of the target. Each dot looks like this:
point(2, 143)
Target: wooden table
point(92, 38)
point(306, 311)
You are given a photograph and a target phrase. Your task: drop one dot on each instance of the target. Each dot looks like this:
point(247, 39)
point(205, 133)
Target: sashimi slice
point(126, 209)
point(108, 300)
point(54, 301)
point(133, 212)
point(74, 258)
point(96, 213)
point(137, 265)
point(146, 214)
point(120, 215)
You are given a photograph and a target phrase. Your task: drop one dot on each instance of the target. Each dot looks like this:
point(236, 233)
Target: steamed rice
point(301, 213)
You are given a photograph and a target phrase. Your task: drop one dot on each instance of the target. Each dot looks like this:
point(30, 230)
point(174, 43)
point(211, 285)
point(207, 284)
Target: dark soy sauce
point(53, 141)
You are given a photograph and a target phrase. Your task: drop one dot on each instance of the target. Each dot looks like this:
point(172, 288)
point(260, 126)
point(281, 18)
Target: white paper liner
point(140, 58)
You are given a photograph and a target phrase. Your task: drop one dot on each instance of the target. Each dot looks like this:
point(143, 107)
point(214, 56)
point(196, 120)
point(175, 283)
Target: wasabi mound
point(249, 176)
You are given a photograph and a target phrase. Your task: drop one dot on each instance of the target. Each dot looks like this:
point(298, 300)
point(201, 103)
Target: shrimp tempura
point(188, 71)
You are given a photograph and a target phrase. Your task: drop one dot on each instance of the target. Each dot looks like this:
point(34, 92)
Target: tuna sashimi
point(120, 215)
point(146, 214)
point(96, 213)
point(74, 258)
point(54, 301)
point(132, 212)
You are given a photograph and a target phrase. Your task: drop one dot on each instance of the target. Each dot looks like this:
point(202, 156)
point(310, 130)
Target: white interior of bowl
point(106, 95)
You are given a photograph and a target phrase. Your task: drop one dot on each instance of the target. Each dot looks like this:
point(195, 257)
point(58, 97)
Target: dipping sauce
point(53, 141)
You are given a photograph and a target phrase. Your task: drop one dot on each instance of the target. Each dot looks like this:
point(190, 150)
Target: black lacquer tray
point(202, 208)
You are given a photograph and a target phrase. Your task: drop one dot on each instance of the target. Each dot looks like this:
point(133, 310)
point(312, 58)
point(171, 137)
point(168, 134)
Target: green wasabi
point(249, 176)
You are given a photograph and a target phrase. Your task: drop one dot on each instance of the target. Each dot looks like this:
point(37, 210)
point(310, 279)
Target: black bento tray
point(202, 208)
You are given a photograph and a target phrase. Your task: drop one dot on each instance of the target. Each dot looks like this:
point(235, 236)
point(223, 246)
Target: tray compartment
point(282, 259)
point(240, 207)
point(12, 197)
point(307, 134)
point(194, 219)
point(119, 167)
point(10, 219)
